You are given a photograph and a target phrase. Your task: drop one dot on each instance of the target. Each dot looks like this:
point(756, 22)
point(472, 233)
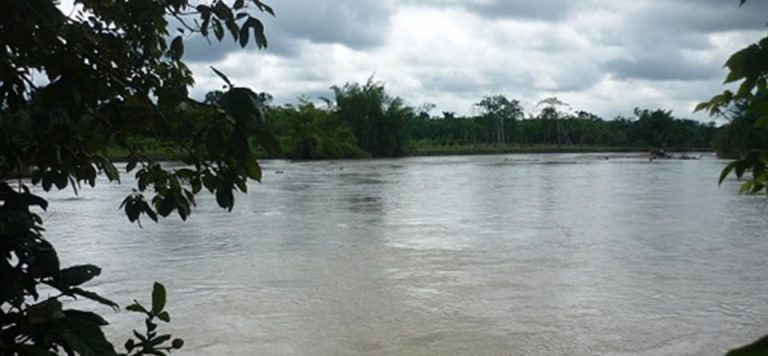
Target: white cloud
point(600, 56)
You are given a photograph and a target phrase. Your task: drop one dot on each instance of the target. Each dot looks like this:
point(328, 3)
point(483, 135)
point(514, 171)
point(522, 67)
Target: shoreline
point(115, 155)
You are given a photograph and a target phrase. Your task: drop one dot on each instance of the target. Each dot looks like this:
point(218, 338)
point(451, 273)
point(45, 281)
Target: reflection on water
point(492, 255)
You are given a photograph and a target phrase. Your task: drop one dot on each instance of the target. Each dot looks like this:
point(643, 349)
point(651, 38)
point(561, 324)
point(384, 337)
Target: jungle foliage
point(747, 109)
point(363, 120)
point(71, 86)
point(746, 137)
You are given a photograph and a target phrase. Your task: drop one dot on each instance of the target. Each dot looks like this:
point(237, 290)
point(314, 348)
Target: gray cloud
point(353, 23)
point(705, 16)
point(198, 49)
point(358, 24)
point(547, 10)
point(604, 56)
point(661, 67)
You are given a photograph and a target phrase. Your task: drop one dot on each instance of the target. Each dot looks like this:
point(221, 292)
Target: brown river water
point(477, 255)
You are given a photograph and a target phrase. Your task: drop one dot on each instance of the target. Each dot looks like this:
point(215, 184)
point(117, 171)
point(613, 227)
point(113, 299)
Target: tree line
point(363, 120)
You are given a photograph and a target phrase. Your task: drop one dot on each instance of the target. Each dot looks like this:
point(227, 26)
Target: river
point(472, 255)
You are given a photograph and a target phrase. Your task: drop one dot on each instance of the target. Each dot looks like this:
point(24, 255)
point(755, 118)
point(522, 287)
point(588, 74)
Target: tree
point(380, 122)
point(70, 86)
point(308, 132)
point(551, 112)
point(748, 69)
point(500, 110)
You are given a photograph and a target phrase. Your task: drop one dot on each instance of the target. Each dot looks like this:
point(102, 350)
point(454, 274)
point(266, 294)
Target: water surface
point(477, 255)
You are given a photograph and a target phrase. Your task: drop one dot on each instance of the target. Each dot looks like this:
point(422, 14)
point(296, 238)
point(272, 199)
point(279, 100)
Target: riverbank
point(481, 149)
point(420, 149)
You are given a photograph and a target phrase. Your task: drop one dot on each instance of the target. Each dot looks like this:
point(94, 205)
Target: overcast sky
point(603, 56)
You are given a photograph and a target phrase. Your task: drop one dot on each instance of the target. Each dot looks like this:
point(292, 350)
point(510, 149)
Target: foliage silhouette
point(72, 85)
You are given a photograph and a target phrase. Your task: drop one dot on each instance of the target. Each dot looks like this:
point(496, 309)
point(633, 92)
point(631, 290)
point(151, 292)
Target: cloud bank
point(601, 56)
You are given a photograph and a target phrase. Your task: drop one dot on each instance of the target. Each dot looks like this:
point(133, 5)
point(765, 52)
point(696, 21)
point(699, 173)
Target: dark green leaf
point(726, 171)
point(215, 142)
point(93, 296)
point(45, 312)
point(253, 169)
point(222, 76)
point(75, 276)
point(244, 33)
point(177, 48)
point(224, 196)
point(757, 348)
point(137, 307)
point(159, 340)
point(218, 29)
point(177, 343)
point(31, 350)
point(164, 316)
point(158, 298)
point(87, 317)
point(129, 345)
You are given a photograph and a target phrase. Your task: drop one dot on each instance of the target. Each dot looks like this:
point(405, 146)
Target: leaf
point(85, 338)
point(222, 76)
point(167, 205)
point(238, 4)
point(148, 210)
point(182, 206)
point(137, 307)
point(131, 165)
point(75, 276)
point(159, 340)
point(164, 316)
point(44, 260)
point(244, 33)
point(158, 298)
point(15, 200)
point(258, 32)
point(759, 347)
point(33, 350)
point(139, 336)
point(726, 171)
point(745, 187)
point(177, 48)
point(241, 105)
point(44, 312)
point(129, 345)
point(94, 297)
point(218, 30)
point(177, 343)
point(224, 196)
point(88, 317)
point(253, 169)
point(265, 8)
point(132, 208)
point(60, 179)
point(740, 167)
point(762, 122)
point(215, 142)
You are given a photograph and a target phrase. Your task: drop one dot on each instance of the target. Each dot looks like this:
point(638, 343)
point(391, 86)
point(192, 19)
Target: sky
point(601, 56)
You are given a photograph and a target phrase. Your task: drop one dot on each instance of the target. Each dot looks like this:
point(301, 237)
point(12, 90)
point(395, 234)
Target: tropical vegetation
point(73, 85)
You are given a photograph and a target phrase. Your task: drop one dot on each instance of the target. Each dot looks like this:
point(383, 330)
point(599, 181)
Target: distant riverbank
point(421, 149)
point(480, 149)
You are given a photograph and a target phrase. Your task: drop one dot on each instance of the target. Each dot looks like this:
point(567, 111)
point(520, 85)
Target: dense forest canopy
point(363, 120)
